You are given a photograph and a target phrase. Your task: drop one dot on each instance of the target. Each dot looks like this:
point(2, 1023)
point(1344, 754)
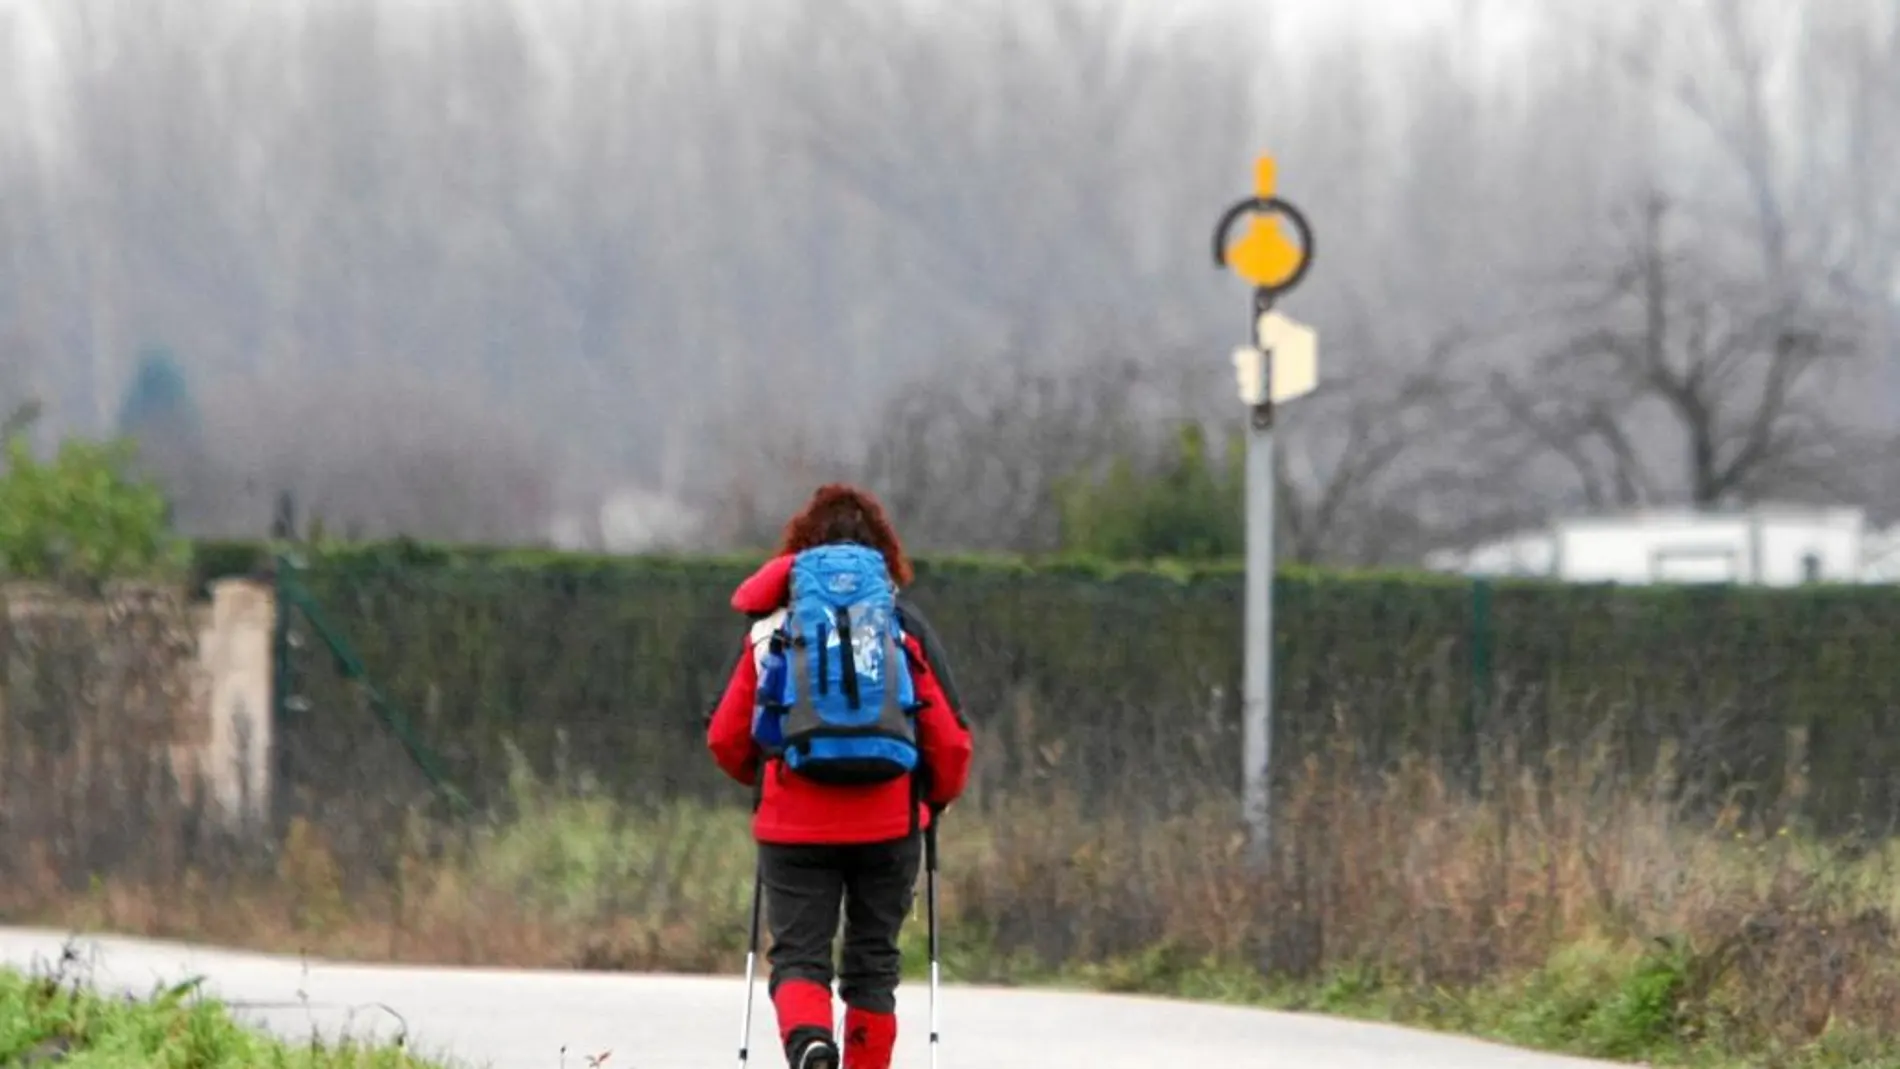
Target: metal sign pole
point(1257, 689)
point(1279, 364)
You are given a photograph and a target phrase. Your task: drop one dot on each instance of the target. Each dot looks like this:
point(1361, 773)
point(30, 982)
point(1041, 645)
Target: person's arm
point(729, 731)
point(712, 711)
point(916, 624)
point(944, 739)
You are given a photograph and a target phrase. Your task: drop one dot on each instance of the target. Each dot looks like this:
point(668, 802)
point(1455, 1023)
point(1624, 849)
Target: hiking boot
point(816, 1054)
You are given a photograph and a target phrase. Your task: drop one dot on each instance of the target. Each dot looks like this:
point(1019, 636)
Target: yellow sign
point(1264, 255)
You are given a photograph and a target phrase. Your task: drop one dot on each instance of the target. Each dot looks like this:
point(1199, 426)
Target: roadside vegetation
point(53, 1017)
point(1563, 916)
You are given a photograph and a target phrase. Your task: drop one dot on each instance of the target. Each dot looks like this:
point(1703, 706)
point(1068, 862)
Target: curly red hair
point(840, 512)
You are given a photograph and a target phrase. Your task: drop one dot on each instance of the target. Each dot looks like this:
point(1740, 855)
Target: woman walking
point(842, 715)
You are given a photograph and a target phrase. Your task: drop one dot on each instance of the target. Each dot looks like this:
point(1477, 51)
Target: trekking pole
point(751, 963)
point(930, 898)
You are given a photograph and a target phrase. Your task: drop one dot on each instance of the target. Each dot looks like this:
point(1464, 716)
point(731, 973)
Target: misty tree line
point(439, 269)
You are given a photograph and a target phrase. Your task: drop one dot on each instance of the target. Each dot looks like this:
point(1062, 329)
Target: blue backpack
point(836, 701)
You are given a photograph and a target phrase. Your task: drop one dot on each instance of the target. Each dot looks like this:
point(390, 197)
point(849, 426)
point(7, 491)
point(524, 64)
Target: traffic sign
point(1288, 354)
point(1295, 349)
point(1281, 363)
point(1264, 255)
point(1250, 375)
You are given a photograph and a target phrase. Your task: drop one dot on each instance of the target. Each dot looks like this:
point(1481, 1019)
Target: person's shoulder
point(764, 624)
point(912, 622)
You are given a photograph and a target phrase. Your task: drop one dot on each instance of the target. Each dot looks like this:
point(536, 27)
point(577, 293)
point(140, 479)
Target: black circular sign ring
point(1267, 206)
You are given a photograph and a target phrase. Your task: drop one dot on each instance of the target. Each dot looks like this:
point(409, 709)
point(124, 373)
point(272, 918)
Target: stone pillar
point(234, 656)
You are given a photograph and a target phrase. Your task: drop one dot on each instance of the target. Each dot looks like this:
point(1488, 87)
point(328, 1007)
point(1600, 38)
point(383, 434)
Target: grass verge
point(54, 1018)
point(1595, 999)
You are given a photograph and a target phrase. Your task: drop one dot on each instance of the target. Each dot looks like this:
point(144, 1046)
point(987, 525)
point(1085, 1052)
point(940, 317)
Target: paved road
point(509, 1019)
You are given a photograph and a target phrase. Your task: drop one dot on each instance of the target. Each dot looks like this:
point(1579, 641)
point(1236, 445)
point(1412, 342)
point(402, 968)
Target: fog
point(447, 268)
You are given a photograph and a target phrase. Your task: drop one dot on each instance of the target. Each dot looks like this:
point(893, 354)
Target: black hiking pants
point(805, 886)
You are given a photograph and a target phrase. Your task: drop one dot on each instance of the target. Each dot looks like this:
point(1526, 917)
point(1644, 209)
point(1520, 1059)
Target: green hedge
point(1122, 682)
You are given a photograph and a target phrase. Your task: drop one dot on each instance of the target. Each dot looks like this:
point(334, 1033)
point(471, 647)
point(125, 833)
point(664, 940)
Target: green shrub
point(1178, 507)
point(81, 517)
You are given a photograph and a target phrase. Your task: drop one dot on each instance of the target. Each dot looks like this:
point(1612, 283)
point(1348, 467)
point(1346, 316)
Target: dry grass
point(1553, 905)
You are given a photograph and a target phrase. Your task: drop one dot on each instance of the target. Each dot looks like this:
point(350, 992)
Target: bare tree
point(974, 461)
point(1769, 131)
point(1026, 204)
point(1673, 341)
point(1692, 341)
point(1376, 469)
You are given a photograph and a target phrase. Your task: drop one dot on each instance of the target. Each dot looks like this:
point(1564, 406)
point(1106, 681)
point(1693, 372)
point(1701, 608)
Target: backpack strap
point(824, 663)
point(847, 657)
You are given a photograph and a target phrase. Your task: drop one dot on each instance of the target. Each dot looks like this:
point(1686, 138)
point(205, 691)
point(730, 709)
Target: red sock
point(869, 1038)
point(801, 1004)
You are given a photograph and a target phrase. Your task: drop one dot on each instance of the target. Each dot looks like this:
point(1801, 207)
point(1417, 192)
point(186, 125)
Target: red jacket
point(797, 810)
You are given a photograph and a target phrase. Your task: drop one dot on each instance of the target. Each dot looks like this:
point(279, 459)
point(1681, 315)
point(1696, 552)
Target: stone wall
point(134, 700)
